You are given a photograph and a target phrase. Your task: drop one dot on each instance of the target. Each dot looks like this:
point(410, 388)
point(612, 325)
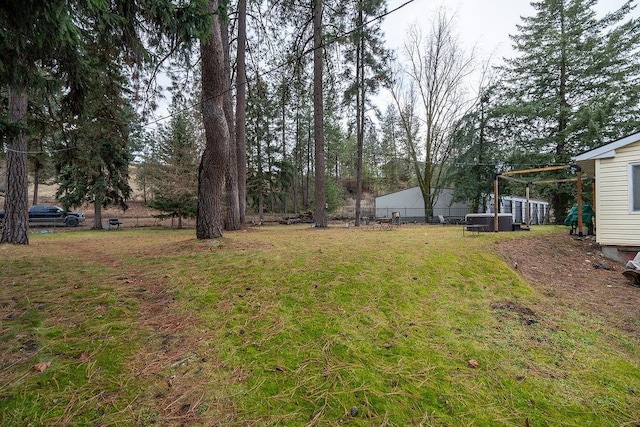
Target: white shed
point(616, 168)
point(410, 205)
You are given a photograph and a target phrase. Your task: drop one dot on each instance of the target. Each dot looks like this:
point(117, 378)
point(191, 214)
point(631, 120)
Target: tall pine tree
point(367, 53)
point(47, 47)
point(172, 173)
point(573, 84)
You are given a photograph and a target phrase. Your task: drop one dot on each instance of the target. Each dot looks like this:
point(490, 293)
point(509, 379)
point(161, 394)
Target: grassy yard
point(296, 326)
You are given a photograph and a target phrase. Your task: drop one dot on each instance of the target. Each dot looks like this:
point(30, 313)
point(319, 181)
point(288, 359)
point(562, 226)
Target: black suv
point(52, 215)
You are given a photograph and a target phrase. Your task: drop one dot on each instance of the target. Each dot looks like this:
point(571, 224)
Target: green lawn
point(296, 326)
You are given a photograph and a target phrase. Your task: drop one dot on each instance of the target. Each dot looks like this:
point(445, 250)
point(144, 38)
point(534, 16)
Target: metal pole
point(528, 209)
point(495, 203)
point(580, 225)
point(593, 200)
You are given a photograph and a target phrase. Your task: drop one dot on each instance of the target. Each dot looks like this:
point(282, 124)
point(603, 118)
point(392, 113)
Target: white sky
point(485, 24)
point(481, 24)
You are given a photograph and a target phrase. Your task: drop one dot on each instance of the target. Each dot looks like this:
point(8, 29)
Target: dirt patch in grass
point(564, 267)
point(526, 315)
point(171, 350)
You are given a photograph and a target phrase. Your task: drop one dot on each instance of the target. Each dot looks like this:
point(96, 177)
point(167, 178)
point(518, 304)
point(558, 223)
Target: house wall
point(615, 224)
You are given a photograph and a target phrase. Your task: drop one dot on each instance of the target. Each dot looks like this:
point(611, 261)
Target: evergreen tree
point(215, 158)
point(46, 47)
point(92, 162)
point(474, 155)
point(320, 212)
point(302, 153)
point(44, 132)
point(573, 84)
point(270, 171)
point(369, 57)
point(232, 196)
point(35, 35)
point(260, 142)
point(240, 111)
point(372, 152)
point(172, 173)
point(395, 168)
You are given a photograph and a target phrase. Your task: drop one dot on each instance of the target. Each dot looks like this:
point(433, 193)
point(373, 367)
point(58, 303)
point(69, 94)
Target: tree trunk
point(241, 109)
point(233, 204)
point(213, 165)
point(475, 203)
point(97, 215)
point(36, 185)
point(559, 200)
point(307, 186)
point(318, 117)
point(260, 181)
point(98, 201)
point(284, 140)
point(16, 209)
point(297, 160)
point(360, 115)
point(261, 207)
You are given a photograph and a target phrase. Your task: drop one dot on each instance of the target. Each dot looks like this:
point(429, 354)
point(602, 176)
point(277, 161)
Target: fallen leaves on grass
point(41, 367)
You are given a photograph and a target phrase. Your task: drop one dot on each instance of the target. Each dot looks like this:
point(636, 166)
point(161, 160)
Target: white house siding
point(615, 224)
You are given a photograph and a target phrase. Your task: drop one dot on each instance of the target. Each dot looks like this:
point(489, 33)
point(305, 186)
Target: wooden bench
point(114, 222)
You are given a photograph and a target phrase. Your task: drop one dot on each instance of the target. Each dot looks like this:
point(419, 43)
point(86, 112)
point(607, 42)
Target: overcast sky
point(481, 24)
point(485, 24)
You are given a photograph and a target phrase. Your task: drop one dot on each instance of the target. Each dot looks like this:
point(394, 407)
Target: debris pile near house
point(303, 217)
point(632, 270)
point(602, 266)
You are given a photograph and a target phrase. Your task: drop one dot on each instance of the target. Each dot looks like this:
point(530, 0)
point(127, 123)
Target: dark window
point(634, 191)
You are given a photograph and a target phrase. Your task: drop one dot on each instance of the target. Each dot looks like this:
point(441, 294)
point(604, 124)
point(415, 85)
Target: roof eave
point(608, 151)
point(590, 155)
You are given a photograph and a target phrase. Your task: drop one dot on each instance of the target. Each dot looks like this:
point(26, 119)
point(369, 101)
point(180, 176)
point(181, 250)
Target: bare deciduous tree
point(437, 70)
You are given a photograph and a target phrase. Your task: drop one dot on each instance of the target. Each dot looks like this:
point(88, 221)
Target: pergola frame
point(507, 176)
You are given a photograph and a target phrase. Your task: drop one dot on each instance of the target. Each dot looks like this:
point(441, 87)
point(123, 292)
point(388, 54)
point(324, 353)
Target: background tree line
point(272, 104)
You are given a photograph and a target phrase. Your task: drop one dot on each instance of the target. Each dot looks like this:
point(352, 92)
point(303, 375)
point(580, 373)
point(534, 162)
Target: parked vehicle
point(52, 215)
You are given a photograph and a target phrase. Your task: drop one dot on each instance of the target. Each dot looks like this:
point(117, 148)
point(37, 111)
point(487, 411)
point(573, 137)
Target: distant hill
point(47, 192)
